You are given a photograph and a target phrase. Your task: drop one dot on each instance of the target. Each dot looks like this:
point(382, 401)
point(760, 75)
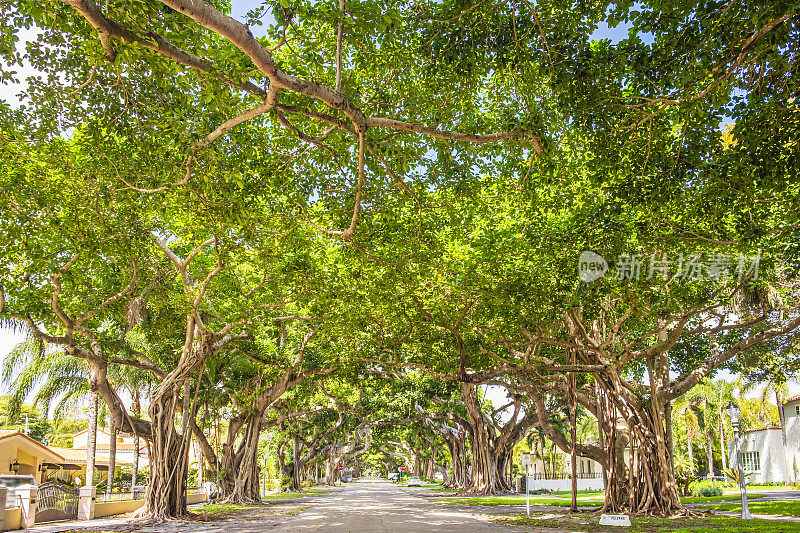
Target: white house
point(590, 473)
point(764, 457)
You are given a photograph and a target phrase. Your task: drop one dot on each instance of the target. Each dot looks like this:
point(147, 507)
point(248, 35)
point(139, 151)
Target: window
point(797, 410)
point(751, 461)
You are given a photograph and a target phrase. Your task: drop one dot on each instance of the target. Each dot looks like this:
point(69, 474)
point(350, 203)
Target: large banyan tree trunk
point(228, 457)
point(650, 476)
point(296, 484)
point(456, 438)
point(653, 489)
point(459, 462)
point(330, 471)
point(485, 476)
point(492, 446)
point(166, 493)
point(246, 488)
point(165, 497)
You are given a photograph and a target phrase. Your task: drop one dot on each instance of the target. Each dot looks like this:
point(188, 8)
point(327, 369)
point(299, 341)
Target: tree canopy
point(337, 220)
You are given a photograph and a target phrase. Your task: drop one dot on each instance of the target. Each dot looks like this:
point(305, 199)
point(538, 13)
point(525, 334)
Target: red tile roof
point(761, 428)
point(78, 456)
point(792, 399)
point(6, 434)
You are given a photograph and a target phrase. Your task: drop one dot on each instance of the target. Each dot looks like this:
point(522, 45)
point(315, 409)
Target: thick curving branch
point(240, 36)
point(109, 30)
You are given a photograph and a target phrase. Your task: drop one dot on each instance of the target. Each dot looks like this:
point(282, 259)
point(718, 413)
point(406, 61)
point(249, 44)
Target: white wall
point(769, 444)
point(792, 437)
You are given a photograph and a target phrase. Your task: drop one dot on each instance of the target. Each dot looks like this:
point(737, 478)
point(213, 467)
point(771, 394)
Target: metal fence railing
point(584, 475)
point(104, 497)
point(13, 499)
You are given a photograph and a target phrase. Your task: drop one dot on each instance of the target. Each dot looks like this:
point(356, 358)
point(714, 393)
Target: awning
point(54, 466)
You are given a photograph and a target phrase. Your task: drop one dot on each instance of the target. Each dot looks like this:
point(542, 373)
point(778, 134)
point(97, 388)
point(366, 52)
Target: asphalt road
point(381, 506)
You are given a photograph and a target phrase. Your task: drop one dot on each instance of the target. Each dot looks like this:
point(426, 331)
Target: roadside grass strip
point(723, 498)
point(216, 511)
point(294, 495)
point(767, 488)
point(581, 523)
point(783, 507)
point(514, 500)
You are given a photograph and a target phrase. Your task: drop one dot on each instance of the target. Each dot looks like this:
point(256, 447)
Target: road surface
point(364, 507)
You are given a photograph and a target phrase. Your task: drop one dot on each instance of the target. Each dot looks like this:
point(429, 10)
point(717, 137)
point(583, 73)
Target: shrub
point(705, 488)
point(710, 491)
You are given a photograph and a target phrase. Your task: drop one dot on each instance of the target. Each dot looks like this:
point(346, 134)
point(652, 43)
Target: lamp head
point(733, 412)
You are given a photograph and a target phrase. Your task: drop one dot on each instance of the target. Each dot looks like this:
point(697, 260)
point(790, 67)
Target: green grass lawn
point(787, 508)
point(514, 500)
point(723, 498)
point(290, 495)
point(588, 523)
point(435, 487)
point(215, 511)
point(767, 487)
point(562, 499)
point(580, 492)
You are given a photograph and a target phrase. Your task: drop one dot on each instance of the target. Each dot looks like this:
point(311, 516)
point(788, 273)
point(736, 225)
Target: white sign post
point(528, 491)
point(526, 462)
point(622, 520)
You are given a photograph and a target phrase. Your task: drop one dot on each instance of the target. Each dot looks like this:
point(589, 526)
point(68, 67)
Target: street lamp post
point(733, 414)
point(264, 485)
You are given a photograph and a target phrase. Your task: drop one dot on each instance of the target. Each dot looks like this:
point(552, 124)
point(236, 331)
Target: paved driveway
point(381, 506)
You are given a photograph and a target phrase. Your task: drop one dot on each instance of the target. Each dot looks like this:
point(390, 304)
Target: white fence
point(13, 499)
point(562, 483)
point(554, 485)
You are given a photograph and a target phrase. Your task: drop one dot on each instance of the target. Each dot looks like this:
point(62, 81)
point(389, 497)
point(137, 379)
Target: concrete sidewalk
point(97, 524)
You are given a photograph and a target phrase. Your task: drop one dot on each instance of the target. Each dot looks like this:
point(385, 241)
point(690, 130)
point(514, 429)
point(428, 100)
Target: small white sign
point(525, 459)
point(621, 520)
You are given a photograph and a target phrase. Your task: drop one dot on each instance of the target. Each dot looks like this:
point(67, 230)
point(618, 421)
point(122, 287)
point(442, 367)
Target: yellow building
point(20, 454)
point(30, 457)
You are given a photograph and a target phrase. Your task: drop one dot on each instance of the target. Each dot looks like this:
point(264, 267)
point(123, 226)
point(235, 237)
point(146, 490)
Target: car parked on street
point(414, 482)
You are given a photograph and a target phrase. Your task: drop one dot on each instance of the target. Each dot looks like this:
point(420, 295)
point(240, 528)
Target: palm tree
point(710, 399)
point(686, 411)
point(57, 380)
point(59, 383)
point(724, 396)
